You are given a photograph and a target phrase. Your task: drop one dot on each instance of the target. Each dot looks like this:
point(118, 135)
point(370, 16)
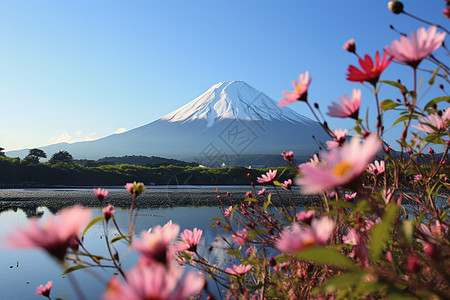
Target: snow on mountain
point(233, 100)
point(230, 123)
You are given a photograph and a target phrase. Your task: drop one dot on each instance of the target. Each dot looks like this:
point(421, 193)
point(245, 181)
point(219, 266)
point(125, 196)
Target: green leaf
point(267, 202)
point(118, 238)
point(408, 229)
point(381, 232)
point(277, 183)
point(329, 256)
point(388, 104)
point(431, 81)
point(396, 84)
point(436, 101)
point(73, 268)
point(218, 219)
point(232, 212)
point(404, 118)
point(343, 281)
point(91, 223)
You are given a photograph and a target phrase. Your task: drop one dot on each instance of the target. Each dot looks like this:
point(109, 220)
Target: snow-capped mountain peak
point(233, 100)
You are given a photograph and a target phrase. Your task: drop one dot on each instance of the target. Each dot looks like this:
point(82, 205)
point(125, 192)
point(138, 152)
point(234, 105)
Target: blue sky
point(77, 70)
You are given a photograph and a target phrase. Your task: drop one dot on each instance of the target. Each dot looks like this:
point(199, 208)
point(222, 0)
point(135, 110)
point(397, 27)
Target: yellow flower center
point(298, 89)
point(309, 242)
point(342, 168)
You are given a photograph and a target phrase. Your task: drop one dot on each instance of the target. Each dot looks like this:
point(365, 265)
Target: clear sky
point(79, 70)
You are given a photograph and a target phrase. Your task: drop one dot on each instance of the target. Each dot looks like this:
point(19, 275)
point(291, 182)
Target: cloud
point(78, 136)
point(120, 130)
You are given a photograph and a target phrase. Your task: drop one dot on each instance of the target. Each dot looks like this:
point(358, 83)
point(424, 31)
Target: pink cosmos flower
point(44, 290)
point(56, 233)
point(417, 177)
point(189, 240)
point(108, 212)
point(346, 108)
point(434, 123)
point(370, 72)
point(352, 237)
point(227, 211)
point(350, 46)
point(376, 168)
point(339, 138)
point(239, 270)
point(154, 244)
point(421, 44)
point(135, 188)
point(287, 184)
point(240, 237)
point(312, 161)
point(262, 192)
point(348, 197)
point(268, 177)
point(299, 238)
point(288, 156)
point(342, 165)
point(100, 194)
point(300, 91)
point(154, 282)
point(305, 216)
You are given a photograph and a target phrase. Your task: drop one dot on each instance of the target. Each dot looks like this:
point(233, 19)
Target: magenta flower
point(55, 235)
point(248, 195)
point(288, 156)
point(189, 240)
point(298, 238)
point(300, 91)
point(262, 192)
point(100, 194)
point(346, 108)
point(342, 165)
point(227, 211)
point(154, 282)
point(417, 177)
point(108, 212)
point(348, 197)
point(305, 216)
point(44, 290)
point(376, 168)
point(287, 184)
point(421, 44)
point(339, 138)
point(352, 237)
point(350, 46)
point(239, 270)
point(240, 237)
point(434, 123)
point(369, 72)
point(154, 244)
point(268, 177)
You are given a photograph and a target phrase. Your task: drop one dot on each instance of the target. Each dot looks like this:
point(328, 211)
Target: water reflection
point(22, 270)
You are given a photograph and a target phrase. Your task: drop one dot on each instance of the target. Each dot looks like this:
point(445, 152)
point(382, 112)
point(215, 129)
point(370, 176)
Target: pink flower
point(342, 165)
point(350, 46)
point(434, 123)
point(348, 197)
point(305, 216)
point(418, 177)
point(135, 188)
point(339, 138)
point(154, 244)
point(299, 238)
point(287, 184)
point(189, 240)
point(44, 290)
point(55, 234)
point(312, 162)
point(100, 194)
point(268, 177)
point(348, 108)
point(262, 192)
point(108, 212)
point(227, 211)
point(370, 72)
point(300, 91)
point(412, 51)
point(288, 156)
point(248, 195)
point(154, 282)
point(352, 237)
point(239, 270)
point(240, 237)
point(376, 168)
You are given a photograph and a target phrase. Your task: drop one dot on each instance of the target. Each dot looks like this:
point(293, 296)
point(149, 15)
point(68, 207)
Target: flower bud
point(350, 46)
point(431, 151)
point(446, 13)
point(108, 212)
point(272, 261)
point(135, 188)
point(413, 264)
point(395, 6)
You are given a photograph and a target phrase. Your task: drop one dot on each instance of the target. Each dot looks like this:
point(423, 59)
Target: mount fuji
point(229, 121)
